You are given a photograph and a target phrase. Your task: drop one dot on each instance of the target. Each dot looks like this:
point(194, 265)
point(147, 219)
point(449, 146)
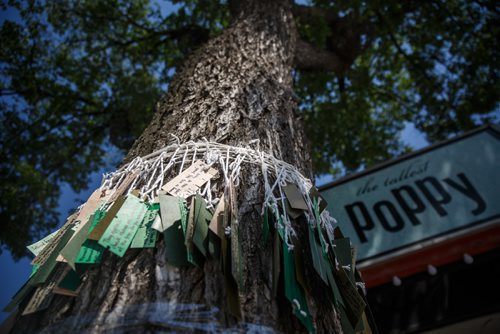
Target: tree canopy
point(78, 76)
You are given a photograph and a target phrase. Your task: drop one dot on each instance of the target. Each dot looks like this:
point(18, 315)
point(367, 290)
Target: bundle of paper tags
point(118, 219)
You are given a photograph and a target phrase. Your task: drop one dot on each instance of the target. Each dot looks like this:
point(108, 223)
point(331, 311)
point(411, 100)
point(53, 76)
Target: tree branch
point(308, 13)
point(349, 37)
point(311, 58)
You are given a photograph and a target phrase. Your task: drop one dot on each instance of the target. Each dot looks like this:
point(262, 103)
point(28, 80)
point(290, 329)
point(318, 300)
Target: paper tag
point(202, 218)
point(43, 295)
point(190, 227)
point(90, 206)
point(99, 229)
point(217, 218)
point(343, 253)
point(146, 236)
point(120, 232)
point(295, 197)
point(319, 262)
point(355, 305)
point(72, 248)
point(38, 246)
point(189, 181)
point(236, 252)
point(175, 250)
point(40, 300)
point(293, 291)
point(315, 195)
point(170, 212)
point(122, 187)
point(54, 242)
point(157, 224)
point(82, 225)
point(90, 253)
point(276, 264)
point(69, 284)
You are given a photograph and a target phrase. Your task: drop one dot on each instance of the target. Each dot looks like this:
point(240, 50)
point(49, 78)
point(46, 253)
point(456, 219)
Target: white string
point(183, 160)
point(154, 168)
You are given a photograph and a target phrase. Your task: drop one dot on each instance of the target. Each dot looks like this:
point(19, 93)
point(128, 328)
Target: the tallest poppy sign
point(437, 192)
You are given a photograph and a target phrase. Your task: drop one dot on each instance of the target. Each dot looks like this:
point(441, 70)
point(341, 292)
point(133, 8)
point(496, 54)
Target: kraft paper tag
point(190, 227)
point(355, 305)
point(40, 300)
point(97, 197)
point(294, 196)
point(315, 195)
point(236, 252)
point(218, 218)
point(99, 229)
point(43, 294)
point(122, 187)
point(81, 223)
point(46, 252)
point(120, 232)
point(190, 180)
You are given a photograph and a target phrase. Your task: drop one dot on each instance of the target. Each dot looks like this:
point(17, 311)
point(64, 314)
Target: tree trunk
point(236, 88)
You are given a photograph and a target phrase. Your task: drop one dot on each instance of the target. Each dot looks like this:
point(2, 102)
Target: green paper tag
point(71, 281)
point(170, 211)
point(46, 269)
point(201, 220)
point(90, 253)
point(146, 236)
point(175, 249)
point(34, 269)
point(294, 292)
point(72, 249)
point(38, 246)
point(276, 263)
point(320, 264)
point(120, 232)
point(55, 242)
point(343, 254)
point(184, 214)
point(97, 217)
point(99, 229)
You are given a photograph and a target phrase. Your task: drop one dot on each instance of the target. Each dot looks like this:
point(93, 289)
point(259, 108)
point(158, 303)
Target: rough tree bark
point(236, 88)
